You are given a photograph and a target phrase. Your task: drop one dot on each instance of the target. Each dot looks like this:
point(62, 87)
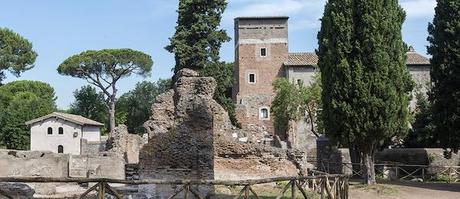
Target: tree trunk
point(369, 169)
point(112, 116)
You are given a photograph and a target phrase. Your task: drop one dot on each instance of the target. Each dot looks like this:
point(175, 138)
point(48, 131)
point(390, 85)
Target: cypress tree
point(444, 38)
point(366, 83)
point(197, 41)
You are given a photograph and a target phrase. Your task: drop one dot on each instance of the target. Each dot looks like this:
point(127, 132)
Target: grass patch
point(380, 189)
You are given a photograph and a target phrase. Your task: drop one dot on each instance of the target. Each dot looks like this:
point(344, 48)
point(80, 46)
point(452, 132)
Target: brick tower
point(261, 48)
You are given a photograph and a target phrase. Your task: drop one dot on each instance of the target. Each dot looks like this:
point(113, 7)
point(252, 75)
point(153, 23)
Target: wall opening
point(264, 113)
point(60, 149)
point(263, 52)
point(252, 78)
point(61, 131)
point(50, 131)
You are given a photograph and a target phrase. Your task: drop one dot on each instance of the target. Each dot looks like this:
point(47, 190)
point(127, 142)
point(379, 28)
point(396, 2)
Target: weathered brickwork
point(261, 50)
point(251, 95)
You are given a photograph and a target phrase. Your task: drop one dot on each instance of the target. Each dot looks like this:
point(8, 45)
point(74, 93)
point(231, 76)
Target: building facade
point(62, 133)
point(262, 55)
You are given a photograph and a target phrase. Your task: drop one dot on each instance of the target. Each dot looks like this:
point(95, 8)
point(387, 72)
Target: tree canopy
point(365, 80)
point(89, 103)
point(103, 69)
point(197, 40)
point(294, 102)
point(422, 135)
point(223, 73)
point(16, 54)
point(444, 38)
point(21, 101)
point(135, 105)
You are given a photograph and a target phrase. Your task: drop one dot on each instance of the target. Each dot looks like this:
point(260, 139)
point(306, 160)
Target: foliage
point(444, 38)
point(103, 69)
point(223, 73)
point(294, 101)
point(422, 133)
point(197, 40)
point(90, 104)
point(134, 106)
point(16, 54)
point(365, 81)
point(22, 101)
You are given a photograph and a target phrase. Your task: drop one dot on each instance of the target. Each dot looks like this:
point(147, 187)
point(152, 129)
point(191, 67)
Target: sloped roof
point(262, 17)
point(311, 59)
point(302, 59)
point(413, 58)
point(77, 119)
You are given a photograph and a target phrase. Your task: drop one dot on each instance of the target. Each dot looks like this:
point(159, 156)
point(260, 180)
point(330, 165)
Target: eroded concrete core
point(191, 136)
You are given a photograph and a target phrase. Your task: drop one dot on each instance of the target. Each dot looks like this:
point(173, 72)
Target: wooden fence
point(400, 171)
point(327, 186)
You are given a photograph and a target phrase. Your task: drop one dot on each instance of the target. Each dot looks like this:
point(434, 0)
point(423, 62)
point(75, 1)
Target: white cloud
point(418, 8)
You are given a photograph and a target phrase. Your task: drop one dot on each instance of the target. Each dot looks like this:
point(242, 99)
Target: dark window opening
point(50, 131)
point(61, 131)
point(252, 78)
point(263, 52)
point(264, 113)
point(60, 149)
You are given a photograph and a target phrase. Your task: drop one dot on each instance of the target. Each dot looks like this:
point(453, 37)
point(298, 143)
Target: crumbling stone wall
point(192, 137)
point(419, 156)
point(88, 147)
point(331, 159)
point(47, 164)
point(181, 131)
point(125, 145)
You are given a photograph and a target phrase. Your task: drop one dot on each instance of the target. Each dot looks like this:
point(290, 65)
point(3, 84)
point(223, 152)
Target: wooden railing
point(327, 186)
point(401, 171)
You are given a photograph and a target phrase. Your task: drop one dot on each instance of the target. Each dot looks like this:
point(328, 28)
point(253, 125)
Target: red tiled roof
point(310, 59)
point(77, 119)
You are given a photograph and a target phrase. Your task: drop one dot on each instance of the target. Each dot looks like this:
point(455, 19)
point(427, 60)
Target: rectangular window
point(263, 52)
point(252, 78)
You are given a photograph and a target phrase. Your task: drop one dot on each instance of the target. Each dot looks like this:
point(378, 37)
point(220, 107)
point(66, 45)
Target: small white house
point(62, 133)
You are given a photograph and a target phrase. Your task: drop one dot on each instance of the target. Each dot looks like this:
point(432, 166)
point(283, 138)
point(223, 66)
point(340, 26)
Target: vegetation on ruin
point(103, 69)
point(16, 54)
point(222, 72)
point(21, 101)
point(365, 80)
point(198, 38)
point(444, 38)
point(135, 105)
point(294, 102)
point(196, 45)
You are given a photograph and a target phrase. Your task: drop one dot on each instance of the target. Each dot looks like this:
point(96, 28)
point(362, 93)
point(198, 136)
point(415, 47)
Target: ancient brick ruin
point(191, 137)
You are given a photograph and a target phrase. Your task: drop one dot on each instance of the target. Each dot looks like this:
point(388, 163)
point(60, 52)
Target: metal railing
point(327, 186)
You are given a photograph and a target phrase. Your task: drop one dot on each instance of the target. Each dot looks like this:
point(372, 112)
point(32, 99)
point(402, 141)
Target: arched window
point(50, 131)
point(264, 114)
point(61, 131)
point(60, 149)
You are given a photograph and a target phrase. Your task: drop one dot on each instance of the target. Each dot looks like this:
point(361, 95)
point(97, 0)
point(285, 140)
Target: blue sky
point(61, 28)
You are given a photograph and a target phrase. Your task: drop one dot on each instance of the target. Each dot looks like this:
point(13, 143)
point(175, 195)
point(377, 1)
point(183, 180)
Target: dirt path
point(406, 190)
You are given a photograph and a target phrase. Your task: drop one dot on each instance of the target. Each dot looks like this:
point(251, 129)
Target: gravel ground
point(406, 190)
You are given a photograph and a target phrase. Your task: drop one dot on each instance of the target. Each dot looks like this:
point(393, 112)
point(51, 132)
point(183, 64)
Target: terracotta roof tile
point(77, 119)
point(302, 59)
point(310, 59)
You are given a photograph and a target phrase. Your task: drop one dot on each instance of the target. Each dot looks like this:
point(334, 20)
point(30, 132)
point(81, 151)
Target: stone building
point(262, 55)
point(63, 133)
